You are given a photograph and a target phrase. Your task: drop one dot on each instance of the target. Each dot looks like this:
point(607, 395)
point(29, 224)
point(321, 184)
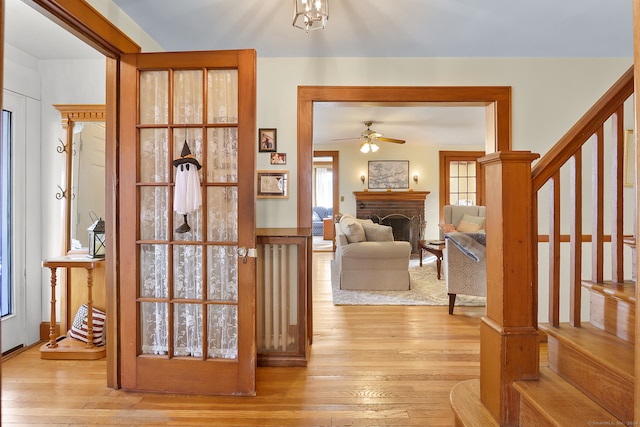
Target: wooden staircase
point(589, 380)
point(589, 374)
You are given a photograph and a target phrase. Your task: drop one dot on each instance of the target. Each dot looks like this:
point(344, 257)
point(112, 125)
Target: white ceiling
point(31, 32)
point(387, 28)
point(365, 28)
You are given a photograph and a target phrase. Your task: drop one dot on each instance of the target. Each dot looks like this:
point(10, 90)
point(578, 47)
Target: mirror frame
point(71, 114)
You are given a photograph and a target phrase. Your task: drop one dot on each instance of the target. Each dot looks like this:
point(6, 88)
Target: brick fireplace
point(402, 210)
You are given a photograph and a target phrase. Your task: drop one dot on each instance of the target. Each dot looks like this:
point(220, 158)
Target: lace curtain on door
point(220, 209)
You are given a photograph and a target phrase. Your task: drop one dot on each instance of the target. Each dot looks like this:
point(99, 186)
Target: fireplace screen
point(404, 228)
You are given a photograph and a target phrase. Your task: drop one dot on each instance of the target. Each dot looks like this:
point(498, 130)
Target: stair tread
point(561, 402)
point(467, 406)
point(606, 348)
point(624, 291)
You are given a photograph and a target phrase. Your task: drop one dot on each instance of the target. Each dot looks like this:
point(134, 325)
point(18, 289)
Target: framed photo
point(267, 140)
point(629, 158)
point(273, 184)
point(388, 174)
point(278, 158)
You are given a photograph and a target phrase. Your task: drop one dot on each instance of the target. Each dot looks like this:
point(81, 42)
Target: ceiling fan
point(369, 138)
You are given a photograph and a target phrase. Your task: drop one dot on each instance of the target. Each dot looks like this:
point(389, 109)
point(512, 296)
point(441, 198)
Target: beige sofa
point(368, 258)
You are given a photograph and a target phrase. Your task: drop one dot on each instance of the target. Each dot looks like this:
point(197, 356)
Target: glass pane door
point(192, 293)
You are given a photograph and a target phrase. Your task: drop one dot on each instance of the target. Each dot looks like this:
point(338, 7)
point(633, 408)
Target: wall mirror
point(84, 187)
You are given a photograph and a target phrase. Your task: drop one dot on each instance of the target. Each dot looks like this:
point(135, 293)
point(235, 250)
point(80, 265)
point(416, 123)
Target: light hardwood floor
point(369, 366)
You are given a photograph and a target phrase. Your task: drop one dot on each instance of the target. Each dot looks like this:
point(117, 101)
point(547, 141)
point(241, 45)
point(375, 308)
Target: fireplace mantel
point(389, 207)
point(390, 195)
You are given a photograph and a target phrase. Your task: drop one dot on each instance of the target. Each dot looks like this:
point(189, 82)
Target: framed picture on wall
point(278, 158)
point(272, 184)
point(388, 174)
point(267, 140)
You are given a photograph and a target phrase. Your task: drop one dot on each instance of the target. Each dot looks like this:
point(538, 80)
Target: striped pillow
point(79, 330)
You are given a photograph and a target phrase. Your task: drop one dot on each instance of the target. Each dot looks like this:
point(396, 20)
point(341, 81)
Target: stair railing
point(566, 157)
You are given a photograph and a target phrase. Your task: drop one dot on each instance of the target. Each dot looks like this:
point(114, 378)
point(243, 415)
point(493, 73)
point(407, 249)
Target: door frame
point(495, 99)
point(14, 325)
point(94, 29)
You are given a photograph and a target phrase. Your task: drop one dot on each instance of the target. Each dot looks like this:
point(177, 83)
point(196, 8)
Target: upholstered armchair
point(464, 255)
point(453, 215)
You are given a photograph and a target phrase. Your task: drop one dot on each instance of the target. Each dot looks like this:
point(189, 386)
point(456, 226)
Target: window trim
point(446, 157)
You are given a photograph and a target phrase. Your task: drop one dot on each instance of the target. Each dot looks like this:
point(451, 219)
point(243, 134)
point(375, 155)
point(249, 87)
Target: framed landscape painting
point(388, 174)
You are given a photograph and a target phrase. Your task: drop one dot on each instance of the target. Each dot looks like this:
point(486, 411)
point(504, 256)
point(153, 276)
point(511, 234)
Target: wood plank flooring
point(369, 366)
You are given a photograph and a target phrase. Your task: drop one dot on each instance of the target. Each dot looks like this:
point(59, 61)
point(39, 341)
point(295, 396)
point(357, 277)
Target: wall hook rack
point(61, 194)
point(62, 147)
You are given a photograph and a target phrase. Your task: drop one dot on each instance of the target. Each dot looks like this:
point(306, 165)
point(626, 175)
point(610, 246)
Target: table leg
point(438, 265)
point(53, 343)
point(420, 250)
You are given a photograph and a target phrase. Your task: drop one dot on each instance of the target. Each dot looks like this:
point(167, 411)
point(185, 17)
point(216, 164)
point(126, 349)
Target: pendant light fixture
point(310, 15)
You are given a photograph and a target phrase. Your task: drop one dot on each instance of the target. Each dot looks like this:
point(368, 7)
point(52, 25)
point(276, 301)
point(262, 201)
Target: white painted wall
point(45, 83)
point(63, 82)
point(549, 95)
point(22, 80)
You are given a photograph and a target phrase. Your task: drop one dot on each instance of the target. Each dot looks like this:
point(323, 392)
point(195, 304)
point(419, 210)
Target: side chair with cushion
point(465, 272)
point(319, 213)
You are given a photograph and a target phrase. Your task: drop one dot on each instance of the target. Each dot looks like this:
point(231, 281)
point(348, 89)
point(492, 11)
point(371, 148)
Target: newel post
point(508, 335)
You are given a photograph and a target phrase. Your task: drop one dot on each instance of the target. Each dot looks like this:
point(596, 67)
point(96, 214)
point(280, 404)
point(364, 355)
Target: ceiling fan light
point(365, 147)
point(374, 147)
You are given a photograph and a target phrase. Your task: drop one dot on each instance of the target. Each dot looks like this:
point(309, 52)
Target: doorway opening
point(495, 99)
point(324, 199)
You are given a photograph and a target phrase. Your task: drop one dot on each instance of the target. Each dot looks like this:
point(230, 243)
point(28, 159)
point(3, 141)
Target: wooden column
point(508, 336)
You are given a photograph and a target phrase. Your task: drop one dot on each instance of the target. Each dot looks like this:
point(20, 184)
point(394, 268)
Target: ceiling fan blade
point(347, 139)
point(395, 141)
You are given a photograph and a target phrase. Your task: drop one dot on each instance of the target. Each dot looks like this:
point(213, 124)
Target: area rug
point(426, 289)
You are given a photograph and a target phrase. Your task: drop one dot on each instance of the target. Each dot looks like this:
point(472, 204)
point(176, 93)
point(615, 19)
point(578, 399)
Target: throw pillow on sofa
point(352, 229)
point(447, 228)
point(471, 224)
point(378, 232)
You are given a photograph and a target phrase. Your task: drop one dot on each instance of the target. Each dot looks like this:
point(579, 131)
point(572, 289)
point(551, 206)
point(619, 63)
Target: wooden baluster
point(90, 308)
point(597, 214)
point(554, 250)
point(617, 172)
point(53, 343)
point(575, 239)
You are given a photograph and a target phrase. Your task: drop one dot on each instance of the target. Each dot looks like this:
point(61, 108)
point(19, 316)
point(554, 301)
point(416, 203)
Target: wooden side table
point(433, 248)
point(69, 348)
point(327, 228)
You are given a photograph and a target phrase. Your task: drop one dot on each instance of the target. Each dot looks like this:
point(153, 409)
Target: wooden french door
point(188, 297)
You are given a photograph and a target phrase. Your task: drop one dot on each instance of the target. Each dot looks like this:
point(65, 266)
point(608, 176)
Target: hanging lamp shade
point(310, 15)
